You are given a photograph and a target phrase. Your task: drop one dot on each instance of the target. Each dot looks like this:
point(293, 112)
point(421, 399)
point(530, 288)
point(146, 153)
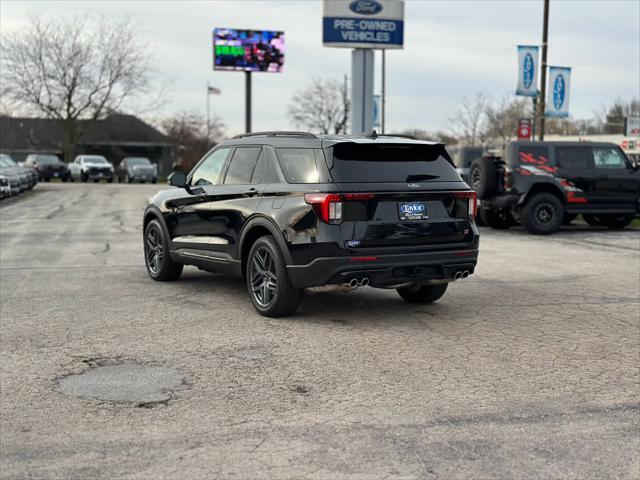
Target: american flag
point(214, 90)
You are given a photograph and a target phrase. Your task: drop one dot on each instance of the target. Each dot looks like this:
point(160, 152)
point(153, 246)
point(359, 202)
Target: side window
point(533, 155)
point(298, 165)
point(209, 170)
point(242, 165)
point(573, 157)
point(608, 158)
point(265, 171)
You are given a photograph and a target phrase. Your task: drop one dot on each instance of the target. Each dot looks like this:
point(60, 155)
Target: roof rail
point(276, 133)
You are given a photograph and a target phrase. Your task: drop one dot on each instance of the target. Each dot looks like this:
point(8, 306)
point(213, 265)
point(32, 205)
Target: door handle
point(251, 192)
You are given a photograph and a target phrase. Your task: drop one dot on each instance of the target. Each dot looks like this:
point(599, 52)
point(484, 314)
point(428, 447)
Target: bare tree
point(468, 122)
point(437, 136)
point(611, 118)
point(502, 118)
point(322, 107)
point(76, 69)
point(189, 130)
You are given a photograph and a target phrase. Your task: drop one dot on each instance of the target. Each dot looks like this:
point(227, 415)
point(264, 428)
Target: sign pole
point(543, 68)
point(533, 125)
point(383, 98)
point(208, 117)
point(247, 92)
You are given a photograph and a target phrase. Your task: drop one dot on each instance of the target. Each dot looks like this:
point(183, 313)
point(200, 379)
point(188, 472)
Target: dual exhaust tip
point(355, 282)
point(462, 274)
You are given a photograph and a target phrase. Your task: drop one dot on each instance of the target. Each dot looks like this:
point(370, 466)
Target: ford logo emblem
point(558, 92)
point(527, 72)
point(365, 7)
point(414, 185)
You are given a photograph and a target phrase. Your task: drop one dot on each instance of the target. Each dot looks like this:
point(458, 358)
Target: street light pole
point(543, 67)
point(208, 117)
point(383, 96)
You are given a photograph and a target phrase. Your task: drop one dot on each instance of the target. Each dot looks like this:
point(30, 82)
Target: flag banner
point(214, 91)
point(527, 71)
point(558, 90)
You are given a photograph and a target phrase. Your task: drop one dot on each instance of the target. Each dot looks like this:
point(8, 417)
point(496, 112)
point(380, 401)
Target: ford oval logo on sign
point(527, 74)
point(558, 92)
point(365, 7)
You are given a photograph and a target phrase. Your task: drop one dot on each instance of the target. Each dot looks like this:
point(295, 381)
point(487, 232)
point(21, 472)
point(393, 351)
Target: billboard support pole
point(247, 92)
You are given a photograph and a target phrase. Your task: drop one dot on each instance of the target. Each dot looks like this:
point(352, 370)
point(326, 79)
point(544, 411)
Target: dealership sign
point(524, 129)
point(527, 71)
point(363, 23)
point(558, 92)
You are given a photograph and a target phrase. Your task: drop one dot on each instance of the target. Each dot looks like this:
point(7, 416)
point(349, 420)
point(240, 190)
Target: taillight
point(472, 203)
point(508, 180)
point(328, 206)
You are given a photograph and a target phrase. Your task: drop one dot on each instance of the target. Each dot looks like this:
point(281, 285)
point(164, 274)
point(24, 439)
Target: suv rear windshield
point(46, 159)
point(366, 163)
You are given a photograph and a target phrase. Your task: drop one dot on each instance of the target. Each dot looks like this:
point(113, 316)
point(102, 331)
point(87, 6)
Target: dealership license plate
point(412, 211)
point(56, 174)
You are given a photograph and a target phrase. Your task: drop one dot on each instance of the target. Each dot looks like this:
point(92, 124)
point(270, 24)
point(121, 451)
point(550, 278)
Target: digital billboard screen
point(248, 50)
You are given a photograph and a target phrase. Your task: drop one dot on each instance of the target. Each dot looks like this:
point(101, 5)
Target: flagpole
point(208, 116)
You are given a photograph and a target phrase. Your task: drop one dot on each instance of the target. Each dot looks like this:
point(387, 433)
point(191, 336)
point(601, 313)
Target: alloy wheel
point(154, 250)
point(544, 213)
point(264, 282)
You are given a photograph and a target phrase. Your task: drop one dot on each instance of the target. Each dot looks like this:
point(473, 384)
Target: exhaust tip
point(364, 282)
point(353, 283)
point(458, 275)
point(465, 274)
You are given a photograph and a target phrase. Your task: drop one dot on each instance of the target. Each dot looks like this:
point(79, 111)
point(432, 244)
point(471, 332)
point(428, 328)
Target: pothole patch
point(144, 385)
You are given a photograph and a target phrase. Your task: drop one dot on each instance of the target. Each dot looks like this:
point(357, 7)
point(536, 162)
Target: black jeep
point(288, 211)
point(546, 184)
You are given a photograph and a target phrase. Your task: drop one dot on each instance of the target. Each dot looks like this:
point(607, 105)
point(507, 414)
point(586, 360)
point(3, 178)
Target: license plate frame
point(412, 211)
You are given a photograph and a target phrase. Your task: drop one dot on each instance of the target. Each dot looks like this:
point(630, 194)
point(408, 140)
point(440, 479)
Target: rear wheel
point(156, 254)
point(422, 294)
point(268, 282)
point(542, 214)
point(499, 219)
point(617, 222)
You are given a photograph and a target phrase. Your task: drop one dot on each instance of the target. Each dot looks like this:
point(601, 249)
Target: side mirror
point(178, 179)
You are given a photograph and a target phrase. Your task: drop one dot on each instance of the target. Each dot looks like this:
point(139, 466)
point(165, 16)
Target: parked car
point(543, 184)
point(20, 177)
point(6, 162)
point(289, 211)
point(48, 166)
point(91, 167)
point(137, 169)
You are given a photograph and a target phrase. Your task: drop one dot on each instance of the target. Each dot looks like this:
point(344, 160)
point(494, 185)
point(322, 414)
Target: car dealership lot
point(529, 368)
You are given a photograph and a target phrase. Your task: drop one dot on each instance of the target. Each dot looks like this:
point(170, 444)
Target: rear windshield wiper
point(418, 177)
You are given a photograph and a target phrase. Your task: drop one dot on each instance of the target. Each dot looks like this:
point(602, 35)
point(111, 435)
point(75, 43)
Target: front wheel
point(542, 214)
point(268, 282)
point(422, 294)
point(157, 259)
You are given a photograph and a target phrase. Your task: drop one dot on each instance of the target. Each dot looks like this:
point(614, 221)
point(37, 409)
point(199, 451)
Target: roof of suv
point(304, 139)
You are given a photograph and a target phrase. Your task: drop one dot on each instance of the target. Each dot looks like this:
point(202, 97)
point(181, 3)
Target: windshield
point(138, 161)
point(95, 160)
point(7, 160)
point(382, 163)
point(46, 159)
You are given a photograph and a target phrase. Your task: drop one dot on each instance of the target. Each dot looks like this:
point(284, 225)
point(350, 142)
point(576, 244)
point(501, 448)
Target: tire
point(126, 178)
point(265, 264)
point(83, 176)
point(542, 214)
point(616, 222)
point(47, 179)
point(483, 178)
point(424, 294)
point(154, 181)
point(65, 179)
point(159, 265)
point(568, 218)
point(498, 219)
point(110, 180)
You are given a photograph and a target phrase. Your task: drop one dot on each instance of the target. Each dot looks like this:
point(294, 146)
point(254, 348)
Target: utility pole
point(543, 67)
point(247, 104)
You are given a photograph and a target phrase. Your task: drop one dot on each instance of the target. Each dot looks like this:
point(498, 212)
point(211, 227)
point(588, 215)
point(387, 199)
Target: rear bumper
point(385, 270)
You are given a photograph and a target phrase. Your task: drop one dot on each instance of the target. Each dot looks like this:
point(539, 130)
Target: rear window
point(298, 164)
point(242, 165)
point(534, 155)
point(366, 163)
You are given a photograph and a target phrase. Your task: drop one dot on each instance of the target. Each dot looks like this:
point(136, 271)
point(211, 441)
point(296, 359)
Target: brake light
point(328, 206)
point(508, 180)
point(472, 199)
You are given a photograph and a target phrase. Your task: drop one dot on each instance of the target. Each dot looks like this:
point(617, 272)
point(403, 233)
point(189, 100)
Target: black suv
point(546, 184)
point(291, 210)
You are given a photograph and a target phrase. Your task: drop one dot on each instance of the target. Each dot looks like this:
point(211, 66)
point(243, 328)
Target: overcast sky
point(452, 49)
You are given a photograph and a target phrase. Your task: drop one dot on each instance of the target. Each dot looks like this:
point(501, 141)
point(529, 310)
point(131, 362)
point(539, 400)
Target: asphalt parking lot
point(528, 369)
